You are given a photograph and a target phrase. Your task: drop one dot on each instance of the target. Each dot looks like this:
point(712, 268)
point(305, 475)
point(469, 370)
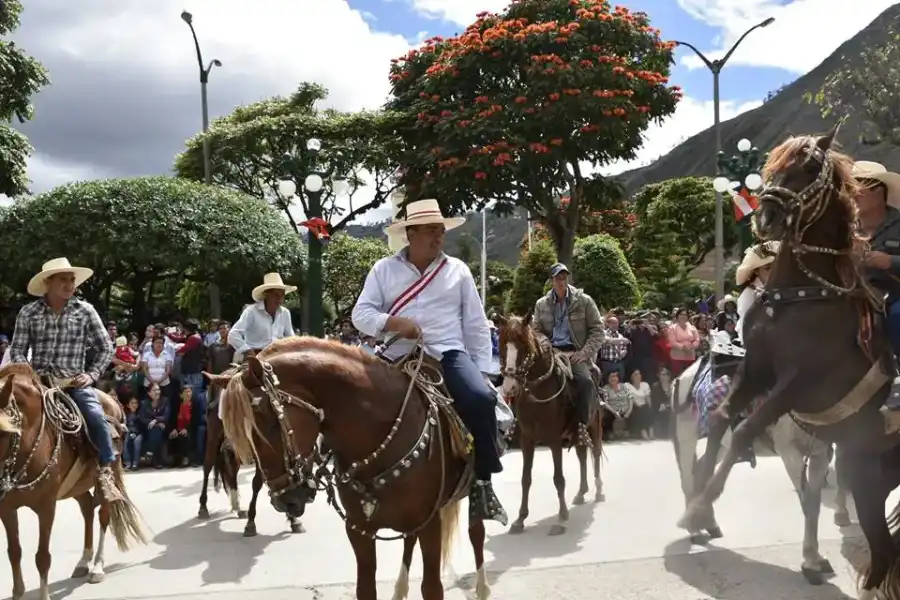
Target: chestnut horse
point(832, 379)
point(219, 458)
point(46, 460)
point(544, 411)
point(401, 456)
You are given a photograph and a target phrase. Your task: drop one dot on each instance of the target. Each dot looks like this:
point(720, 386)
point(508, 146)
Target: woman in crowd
point(703, 326)
point(157, 368)
point(660, 394)
point(683, 340)
point(179, 436)
point(154, 419)
point(619, 399)
point(640, 421)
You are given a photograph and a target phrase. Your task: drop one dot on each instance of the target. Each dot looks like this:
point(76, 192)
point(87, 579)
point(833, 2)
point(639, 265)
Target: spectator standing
point(614, 349)
point(683, 341)
point(192, 353)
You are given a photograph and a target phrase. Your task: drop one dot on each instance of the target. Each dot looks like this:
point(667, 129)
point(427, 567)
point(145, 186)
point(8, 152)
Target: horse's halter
point(299, 468)
point(520, 372)
point(803, 210)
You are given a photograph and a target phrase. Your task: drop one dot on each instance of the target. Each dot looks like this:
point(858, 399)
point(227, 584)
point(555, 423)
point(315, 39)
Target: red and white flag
point(744, 203)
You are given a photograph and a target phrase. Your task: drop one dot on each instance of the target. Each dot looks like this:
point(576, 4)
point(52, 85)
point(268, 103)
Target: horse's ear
point(498, 319)
point(528, 316)
point(6, 392)
point(217, 381)
point(254, 371)
point(824, 142)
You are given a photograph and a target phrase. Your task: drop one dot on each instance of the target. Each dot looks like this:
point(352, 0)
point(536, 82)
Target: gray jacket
point(585, 323)
point(887, 239)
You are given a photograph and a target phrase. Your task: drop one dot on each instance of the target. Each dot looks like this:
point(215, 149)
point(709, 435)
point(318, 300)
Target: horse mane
point(237, 412)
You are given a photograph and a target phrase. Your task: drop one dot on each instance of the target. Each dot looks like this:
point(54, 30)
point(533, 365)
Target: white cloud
point(690, 118)
point(805, 32)
point(47, 172)
point(460, 12)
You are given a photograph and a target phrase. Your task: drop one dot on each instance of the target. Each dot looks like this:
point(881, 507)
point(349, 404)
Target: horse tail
point(226, 468)
point(125, 521)
point(449, 526)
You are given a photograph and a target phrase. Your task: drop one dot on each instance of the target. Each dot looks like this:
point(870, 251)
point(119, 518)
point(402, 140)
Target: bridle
point(803, 210)
point(520, 373)
point(299, 469)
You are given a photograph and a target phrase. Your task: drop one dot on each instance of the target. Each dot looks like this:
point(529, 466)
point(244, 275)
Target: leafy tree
point(680, 211)
point(513, 108)
point(865, 86)
point(467, 250)
point(21, 77)
point(248, 149)
point(599, 266)
point(500, 282)
point(531, 277)
point(347, 262)
point(137, 234)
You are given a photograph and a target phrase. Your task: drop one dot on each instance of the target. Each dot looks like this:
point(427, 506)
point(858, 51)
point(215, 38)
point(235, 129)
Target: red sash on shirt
point(410, 293)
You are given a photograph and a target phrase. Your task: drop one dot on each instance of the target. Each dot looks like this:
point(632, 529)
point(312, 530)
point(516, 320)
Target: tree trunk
point(138, 307)
point(215, 300)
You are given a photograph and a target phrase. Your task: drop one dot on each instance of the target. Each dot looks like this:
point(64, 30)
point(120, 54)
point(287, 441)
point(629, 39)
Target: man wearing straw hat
point(58, 329)
point(262, 322)
point(878, 203)
point(420, 293)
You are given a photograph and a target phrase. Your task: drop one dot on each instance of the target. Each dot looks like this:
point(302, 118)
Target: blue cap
point(557, 269)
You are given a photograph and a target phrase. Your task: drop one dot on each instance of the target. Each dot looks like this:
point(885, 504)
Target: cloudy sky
point(125, 91)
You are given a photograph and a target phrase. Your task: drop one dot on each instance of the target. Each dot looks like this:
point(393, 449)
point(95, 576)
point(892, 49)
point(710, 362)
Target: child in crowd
point(155, 416)
point(179, 440)
point(133, 436)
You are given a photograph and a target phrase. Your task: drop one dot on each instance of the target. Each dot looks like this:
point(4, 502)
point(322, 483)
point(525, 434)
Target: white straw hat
point(38, 284)
point(271, 281)
point(866, 169)
point(755, 257)
point(423, 212)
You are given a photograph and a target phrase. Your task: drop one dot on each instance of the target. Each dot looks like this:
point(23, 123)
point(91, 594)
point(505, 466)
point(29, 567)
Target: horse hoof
point(812, 576)
point(714, 533)
point(825, 567)
point(96, 577)
point(517, 527)
point(203, 513)
point(80, 572)
point(600, 497)
point(578, 500)
point(557, 529)
point(698, 539)
point(297, 527)
point(242, 514)
point(842, 519)
point(250, 530)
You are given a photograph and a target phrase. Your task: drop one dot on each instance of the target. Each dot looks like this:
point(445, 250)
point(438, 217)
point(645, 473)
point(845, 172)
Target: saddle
point(115, 417)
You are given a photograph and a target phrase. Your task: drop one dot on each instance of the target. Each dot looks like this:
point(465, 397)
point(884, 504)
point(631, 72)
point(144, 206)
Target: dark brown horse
point(544, 411)
point(401, 455)
point(219, 458)
point(46, 458)
point(816, 347)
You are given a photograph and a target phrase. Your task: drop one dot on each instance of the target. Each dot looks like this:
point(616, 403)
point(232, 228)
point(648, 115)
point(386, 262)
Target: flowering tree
point(514, 108)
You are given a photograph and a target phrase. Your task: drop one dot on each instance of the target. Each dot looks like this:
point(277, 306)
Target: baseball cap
point(557, 269)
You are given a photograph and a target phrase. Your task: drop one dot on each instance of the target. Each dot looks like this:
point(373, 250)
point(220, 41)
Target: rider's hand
point(406, 328)
point(878, 260)
point(152, 424)
point(82, 381)
point(576, 358)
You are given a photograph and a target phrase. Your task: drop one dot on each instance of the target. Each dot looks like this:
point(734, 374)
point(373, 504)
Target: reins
point(521, 373)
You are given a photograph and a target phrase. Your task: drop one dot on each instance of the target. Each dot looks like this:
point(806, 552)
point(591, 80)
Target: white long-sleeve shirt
point(256, 329)
point(448, 310)
point(744, 302)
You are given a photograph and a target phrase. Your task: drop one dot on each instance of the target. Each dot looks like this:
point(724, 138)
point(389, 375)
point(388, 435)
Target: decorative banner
point(745, 203)
point(318, 227)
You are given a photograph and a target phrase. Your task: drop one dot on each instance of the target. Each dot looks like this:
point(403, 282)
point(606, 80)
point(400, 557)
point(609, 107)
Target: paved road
point(627, 548)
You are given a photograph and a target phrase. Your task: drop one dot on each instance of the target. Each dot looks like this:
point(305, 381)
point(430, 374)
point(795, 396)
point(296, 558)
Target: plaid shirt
point(58, 343)
point(613, 349)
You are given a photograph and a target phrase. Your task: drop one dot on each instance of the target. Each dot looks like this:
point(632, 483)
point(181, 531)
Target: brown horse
point(544, 411)
point(832, 379)
point(401, 456)
point(47, 460)
point(219, 458)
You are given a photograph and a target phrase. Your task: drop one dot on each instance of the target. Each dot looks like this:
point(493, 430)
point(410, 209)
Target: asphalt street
point(627, 548)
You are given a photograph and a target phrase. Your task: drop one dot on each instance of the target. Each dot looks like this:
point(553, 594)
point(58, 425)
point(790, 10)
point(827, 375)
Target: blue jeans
point(156, 439)
point(198, 418)
point(475, 403)
point(893, 324)
point(95, 421)
point(132, 450)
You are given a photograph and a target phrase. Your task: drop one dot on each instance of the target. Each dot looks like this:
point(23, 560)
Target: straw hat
point(423, 212)
point(271, 281)
point(121, 341)
point(755, 257)
point(728, 298)
point(38, 284)
point(865, 169)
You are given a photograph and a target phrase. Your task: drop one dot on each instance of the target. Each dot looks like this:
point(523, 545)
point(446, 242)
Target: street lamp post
point(313, 188)
point(204, 103)
point(716, 67)
point(741, 174)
